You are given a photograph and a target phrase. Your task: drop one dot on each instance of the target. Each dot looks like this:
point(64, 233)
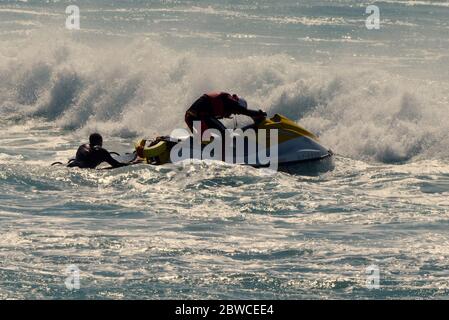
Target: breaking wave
point(138, 87)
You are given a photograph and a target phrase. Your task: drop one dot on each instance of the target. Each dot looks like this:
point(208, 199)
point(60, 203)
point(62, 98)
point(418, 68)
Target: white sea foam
point(418, 3)
point(143, 88)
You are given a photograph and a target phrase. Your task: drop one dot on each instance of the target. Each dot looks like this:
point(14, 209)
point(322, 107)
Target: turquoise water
point(379, 99)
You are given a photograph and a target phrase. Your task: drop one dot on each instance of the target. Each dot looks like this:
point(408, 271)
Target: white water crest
point(142, 88)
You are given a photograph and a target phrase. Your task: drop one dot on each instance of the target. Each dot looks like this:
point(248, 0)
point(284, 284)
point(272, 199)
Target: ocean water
point(378, 98)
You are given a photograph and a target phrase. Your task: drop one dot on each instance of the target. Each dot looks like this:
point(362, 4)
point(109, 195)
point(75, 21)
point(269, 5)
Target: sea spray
point(142, 88)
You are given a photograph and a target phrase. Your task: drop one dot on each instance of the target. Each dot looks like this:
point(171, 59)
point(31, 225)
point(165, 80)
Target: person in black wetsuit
point(92, 154)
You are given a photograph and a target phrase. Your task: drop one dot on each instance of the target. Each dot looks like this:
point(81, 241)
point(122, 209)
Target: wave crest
point(140, 87)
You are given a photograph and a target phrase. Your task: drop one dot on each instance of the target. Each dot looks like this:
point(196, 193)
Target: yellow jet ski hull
point(295, 145)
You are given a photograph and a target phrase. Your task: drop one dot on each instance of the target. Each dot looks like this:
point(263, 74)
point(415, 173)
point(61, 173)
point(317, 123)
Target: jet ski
point(297, 149)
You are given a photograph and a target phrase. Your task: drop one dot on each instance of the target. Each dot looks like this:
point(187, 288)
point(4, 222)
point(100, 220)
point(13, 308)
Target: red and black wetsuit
point(213, 106)
point(90, 157)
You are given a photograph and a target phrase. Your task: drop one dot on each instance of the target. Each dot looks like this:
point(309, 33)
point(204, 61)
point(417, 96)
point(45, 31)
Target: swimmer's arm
point(110, 160)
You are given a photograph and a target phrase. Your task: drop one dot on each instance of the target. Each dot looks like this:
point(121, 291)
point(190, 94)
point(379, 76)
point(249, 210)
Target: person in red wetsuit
point(211, 107)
